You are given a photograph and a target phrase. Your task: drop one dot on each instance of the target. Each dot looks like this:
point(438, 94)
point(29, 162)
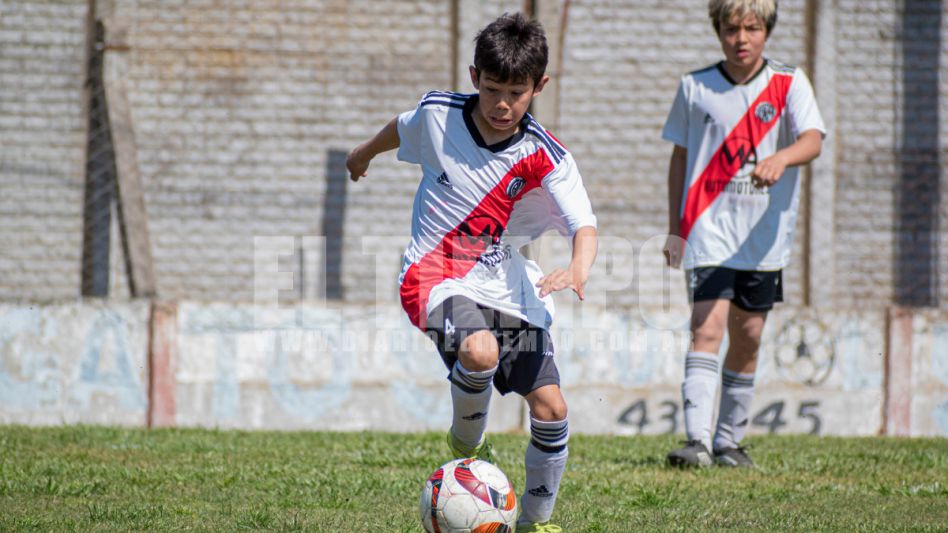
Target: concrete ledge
point(354, 367)
point(74, 363)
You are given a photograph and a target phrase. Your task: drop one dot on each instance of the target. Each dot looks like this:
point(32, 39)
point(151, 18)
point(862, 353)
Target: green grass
point(106, 479)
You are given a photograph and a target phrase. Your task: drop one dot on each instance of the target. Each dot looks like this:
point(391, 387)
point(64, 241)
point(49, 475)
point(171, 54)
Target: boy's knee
point(550, 410)
point(707, 335)
point(479, 352)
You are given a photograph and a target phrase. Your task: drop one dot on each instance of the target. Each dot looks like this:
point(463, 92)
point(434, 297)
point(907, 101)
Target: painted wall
point(364, 367)
point(74, 363)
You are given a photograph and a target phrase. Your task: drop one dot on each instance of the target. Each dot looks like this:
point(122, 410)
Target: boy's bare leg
point(709, 318)
point(708, 323)
point(471, 380)
point(737, 378)
point(545, 458)
point(744, 330)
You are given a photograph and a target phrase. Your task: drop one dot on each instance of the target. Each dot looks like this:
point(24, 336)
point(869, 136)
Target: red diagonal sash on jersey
point(733, 152)
point(459, 249)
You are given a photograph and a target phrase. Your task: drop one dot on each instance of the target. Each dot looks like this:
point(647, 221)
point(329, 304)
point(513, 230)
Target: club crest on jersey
point(765, 112)
point(516, 185)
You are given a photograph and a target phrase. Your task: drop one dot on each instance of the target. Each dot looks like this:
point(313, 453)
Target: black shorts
point(748, 289)
point(526, 351)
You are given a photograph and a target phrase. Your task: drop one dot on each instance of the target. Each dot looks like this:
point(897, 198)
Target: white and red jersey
point(727, 128)
point(477, 205)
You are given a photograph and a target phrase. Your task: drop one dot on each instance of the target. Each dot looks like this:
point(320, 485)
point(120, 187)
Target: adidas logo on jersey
point(690, 404)
point(540, 492)
point(443, 180)
point(707, 118)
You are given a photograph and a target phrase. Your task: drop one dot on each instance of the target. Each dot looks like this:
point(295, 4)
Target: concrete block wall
point(42, 148)
point(242, 113)
point(237, 111)
point(867, 126)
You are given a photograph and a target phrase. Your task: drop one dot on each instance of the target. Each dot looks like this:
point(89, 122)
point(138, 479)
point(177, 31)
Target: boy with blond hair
point(741, 129)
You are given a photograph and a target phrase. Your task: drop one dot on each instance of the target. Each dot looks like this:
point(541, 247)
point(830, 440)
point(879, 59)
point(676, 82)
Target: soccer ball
point(468, 496)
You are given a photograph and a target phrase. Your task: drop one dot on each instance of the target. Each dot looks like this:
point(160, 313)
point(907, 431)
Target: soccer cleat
point(545, 527)
point(736, 457)
point(482, 451)
point(695, 453)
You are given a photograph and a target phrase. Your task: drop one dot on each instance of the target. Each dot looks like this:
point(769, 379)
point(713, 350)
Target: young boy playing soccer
point(493, 180)
point(741, 128)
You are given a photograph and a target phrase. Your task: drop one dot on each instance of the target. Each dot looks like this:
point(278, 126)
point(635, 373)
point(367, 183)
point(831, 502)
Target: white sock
point(470, 395)
point(545, 461)
point(697, 392)
point(737, 391)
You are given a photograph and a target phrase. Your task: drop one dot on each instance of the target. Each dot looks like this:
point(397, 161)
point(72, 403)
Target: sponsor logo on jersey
point(739, 150)
point(443, 180)
point(480, 229)
point(516, 185)
point(736, 153)
point(690, 404)
point(765, 111)
point(707, 118)
point(495, 256)
point(473, 237)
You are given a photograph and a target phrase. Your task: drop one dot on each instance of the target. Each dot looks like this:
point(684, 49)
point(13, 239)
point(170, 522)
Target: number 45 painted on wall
point(770, 417)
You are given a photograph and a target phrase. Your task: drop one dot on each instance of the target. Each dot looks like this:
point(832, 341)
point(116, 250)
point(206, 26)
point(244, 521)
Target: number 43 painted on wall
point(770, 417)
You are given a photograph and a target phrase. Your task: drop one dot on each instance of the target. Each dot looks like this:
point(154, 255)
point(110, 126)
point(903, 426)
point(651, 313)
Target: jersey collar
point(727, 76)
point(479, 139)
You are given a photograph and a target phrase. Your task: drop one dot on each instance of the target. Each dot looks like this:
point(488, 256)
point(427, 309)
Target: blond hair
point(723, 10)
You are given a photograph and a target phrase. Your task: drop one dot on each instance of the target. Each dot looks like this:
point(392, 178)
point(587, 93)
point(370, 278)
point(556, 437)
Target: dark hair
point(511, 49)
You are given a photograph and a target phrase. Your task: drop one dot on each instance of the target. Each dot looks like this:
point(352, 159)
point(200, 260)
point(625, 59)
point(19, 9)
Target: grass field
point(98, 479)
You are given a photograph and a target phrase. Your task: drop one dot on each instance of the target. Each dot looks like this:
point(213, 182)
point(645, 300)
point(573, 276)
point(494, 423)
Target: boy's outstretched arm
point(359, 158)
point(805, 149)
point(585, 246)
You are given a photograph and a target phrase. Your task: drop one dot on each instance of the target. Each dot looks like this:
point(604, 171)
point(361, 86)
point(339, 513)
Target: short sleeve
point(676, 125)
point(565, 186)
point(411, 125)
point(801, 106)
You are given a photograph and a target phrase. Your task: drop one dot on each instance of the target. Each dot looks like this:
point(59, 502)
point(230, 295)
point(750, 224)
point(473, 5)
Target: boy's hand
point(357, 163)
point(768, 171)
point(674, 246)
point(560, 279)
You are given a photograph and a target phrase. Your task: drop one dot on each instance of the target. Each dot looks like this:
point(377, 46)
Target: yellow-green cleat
point(545, 527)
point(482, 451)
